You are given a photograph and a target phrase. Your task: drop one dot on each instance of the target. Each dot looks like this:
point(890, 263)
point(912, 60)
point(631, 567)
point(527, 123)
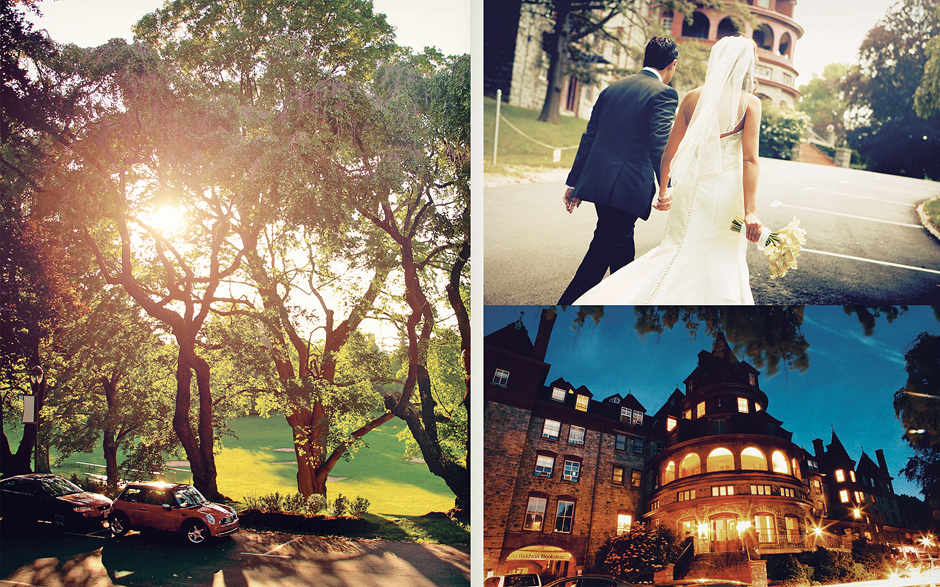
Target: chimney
point(881, 461)
point(818, 448)
point(546, 323)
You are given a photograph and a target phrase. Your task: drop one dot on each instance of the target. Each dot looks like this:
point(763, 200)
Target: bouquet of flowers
point(781, 247)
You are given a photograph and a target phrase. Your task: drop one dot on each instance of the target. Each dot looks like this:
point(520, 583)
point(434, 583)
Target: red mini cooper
point(172, 507)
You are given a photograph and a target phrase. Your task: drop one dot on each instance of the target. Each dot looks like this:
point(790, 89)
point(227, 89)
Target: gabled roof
point(632, 403)
point(513, 338)
point(835, 451)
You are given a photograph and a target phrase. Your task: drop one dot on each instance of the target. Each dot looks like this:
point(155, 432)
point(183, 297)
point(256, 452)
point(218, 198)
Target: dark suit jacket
point(623, 145)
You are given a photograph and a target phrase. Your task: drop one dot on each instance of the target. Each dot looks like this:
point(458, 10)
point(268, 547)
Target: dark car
point(516, 580)
point(588, 581)
point(172, 507)
point(52, 499)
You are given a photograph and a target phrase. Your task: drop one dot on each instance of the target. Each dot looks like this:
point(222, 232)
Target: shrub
point(270, 502)
point(359, 507)
point(638, 553)
point(295, 504)
point(315, 503)
point(781, 130)
point(340, 505)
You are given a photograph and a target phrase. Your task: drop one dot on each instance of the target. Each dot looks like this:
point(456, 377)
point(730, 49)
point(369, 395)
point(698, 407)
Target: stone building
point(565, 471)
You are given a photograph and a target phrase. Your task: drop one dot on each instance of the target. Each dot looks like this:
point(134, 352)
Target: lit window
point(638, 446)
point(558, 394)
point(617, 476)
point(817, 486)
point(551, 429)
point(582, 403)
point(670, 424)
point(626, 414)
point(564, 516)
point(535, 513)
point(780, 463)
point(859, 497)
point(637, 418)
point(685, 495)
point(757, 407)
point(760, 489)
point(722, 490)
point(501, 377)
point(700, 410)
point(576, 435)
point(844, 496)
point(787, 492)
point(840, 476)
point(572, 469)
point(793, 529)
point(796, 468)
point(852, 475)
point(544, 465)
point(765, 527)
point(670, 473)
point(687, 414)
point(720, 459)
point(637, 478)
point(624, 521)
point(742, 405)
point(690, 465)
point(620, 441)
point(654, 505)
point(753, 459)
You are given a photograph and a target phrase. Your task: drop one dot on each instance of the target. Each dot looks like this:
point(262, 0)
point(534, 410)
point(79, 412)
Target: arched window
point(727, 27)
point(796, 468)
point(780, 462)
point(670, 473)
point(753, 459)
point(764, 37)
point(699, 27)
point(720, 459)
point(690, 465)
point(785, 44)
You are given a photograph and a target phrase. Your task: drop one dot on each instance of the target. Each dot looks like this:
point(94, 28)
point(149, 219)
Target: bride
point(711, 159)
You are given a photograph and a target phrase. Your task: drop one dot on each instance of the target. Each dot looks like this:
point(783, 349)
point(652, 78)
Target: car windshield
point(57, 487)
point(189, 497)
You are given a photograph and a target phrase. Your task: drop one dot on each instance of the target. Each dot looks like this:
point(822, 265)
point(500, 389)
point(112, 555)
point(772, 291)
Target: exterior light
point(927, 540)
point(35, 375)
point(857, 513)
point(817, 531)
point(743, 526)
point(917, 431)
point(703, 530)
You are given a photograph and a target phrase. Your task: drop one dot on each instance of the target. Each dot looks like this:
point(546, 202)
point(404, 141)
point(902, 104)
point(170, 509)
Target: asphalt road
point(865, 243)
point(40, 556)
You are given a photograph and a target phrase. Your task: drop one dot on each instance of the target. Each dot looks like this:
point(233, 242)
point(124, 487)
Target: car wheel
point(118, 524)
point(195, 532)
point(58, 521)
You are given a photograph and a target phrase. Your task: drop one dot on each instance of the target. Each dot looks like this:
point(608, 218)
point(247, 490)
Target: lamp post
point(35, 379)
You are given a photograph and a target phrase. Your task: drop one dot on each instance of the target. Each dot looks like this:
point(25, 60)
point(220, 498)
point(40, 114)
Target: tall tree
point(823, 100)
point(880, 92)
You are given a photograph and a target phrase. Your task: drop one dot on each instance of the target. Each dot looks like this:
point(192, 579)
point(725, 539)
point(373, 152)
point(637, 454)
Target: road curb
point(925, 220)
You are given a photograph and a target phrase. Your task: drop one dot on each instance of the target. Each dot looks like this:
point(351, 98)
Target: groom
point(620, 152)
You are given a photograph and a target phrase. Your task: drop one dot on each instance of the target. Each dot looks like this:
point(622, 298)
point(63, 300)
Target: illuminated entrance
point(723, 534)
point(550, 561)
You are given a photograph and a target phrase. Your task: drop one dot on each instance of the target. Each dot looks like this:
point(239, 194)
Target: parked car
point(172, 507)
point(703, 583)
point(589, 581)
point(52, 499)
point(518, 580)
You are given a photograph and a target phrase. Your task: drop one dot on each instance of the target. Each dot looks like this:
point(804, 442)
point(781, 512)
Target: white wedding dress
point(701, 261)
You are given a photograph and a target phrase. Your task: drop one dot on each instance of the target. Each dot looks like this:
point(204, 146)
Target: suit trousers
point(611, 248)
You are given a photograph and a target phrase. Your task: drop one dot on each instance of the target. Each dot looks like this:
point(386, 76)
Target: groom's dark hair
point(660, 52)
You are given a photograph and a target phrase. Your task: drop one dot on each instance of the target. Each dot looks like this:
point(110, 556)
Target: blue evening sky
point(849, 383)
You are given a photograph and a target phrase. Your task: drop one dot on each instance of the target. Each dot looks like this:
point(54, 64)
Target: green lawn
point(250, 466)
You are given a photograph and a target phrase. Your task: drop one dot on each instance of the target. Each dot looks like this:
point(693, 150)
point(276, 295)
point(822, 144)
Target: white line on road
point(777, 204)
point(880, 200)
point(878, 187)
point(268, 553)
point(862, 259)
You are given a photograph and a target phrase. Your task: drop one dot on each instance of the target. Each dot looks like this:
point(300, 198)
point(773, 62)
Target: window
point(685, 495)
point(780, 462)
point(720, 459)
point(670, 473)
point(624, 521)
point(859, 497)
point(620, 441)
point(787, 492)
point(690, 465)
point(617, 478)
point(817, 486)
point(535, 513)
point(753, 459)
point(638, 446)
point(722, 490)
point(742, 405)
point(551, 429)
point(844, 496)
point(670, 424)
point(752, 378)
point(636, 479)
point(719, 426)
point(840, 475)
point(626, 414)
point(654, 505)
point(852, 475)
point(700, 410)
point(760, 489)
point(572, 469)
point(544, 465)
point(763, 71)
point(501, 377)
point(564, 516)
point(757, 407)
point(796, 468)
point(582, 403)
point(576, 435)
point(687, 414)
point(765, 527)
point(637, 418)
point(667, 24)
point(558, 394)
point(793, 529)
point(615, 399)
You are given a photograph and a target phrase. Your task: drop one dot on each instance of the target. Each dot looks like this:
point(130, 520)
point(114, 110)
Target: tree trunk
point(310, 446)
point(198, 450)
point(556, 45)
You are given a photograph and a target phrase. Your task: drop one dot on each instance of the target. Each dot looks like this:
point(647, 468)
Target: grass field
point(514, 149)
point(250, 466)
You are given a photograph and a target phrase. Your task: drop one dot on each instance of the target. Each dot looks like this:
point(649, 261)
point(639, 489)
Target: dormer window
point(670, 424)
point(757, 407)
point(582, 403)
point(742, 405)
point(840, 475)
point(615, 400)
point(626, 415)
point(700, 410)
point(687, 414)
point(637, 418)
point(558, 394)
point(752, 378)
point(852, 475)
point(501, 378)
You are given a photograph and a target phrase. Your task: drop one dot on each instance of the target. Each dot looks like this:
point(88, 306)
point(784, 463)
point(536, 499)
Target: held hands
point(570, 203)
point(753, 227)
point(664, 202)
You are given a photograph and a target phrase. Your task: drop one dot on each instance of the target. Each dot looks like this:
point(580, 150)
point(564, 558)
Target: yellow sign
point(549, 553)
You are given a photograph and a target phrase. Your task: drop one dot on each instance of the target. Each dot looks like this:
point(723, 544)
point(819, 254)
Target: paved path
point(866, 245)
point(247, 559)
